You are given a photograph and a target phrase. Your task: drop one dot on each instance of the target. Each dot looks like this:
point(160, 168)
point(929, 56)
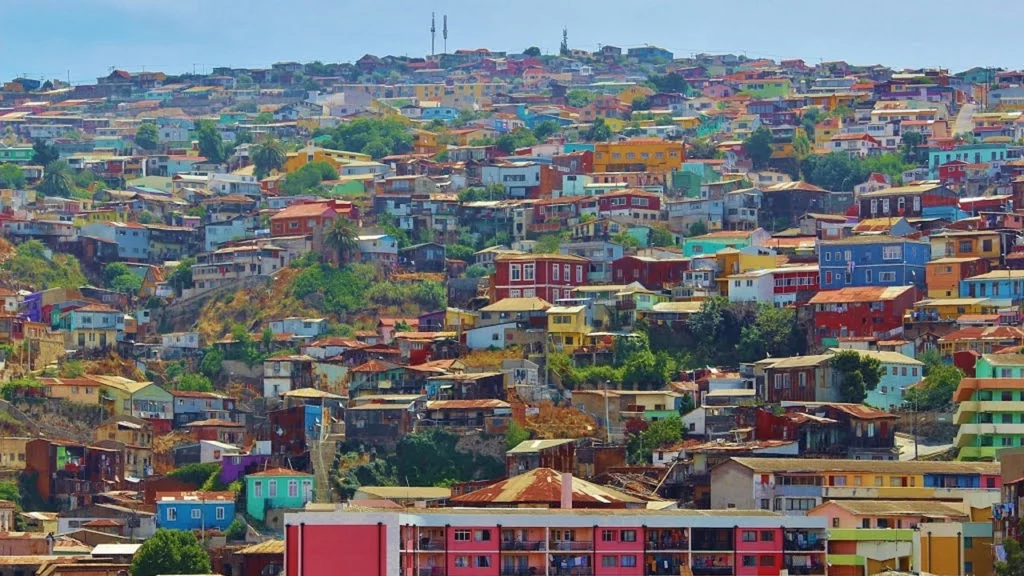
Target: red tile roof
point(544, 486)
point(304, 211)
point(857, 295)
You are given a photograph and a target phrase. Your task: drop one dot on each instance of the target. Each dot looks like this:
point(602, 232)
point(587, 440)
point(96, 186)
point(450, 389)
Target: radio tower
point(433, 32)
point(444, 33)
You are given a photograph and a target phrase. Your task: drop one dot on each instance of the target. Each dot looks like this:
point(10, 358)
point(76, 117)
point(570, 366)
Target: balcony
point(570, 546)
point(524, 546)
point(712, 570)
point(814, 569)
point(430, 545)
point(794, 546)
point(713, 546)
point(966, 410)
point(672, 570)
point(434, 571)
point(968, 432)
point(532, 571)
point(669, 545)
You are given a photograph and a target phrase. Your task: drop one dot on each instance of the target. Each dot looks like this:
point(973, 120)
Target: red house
point(865, 311)
point(953, 172)
point(309, 217)
point(636, 203)
point(653, 273)
point(547, 276)
point(580, 162)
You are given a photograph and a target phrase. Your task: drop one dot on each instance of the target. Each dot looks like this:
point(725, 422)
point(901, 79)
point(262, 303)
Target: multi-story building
point(926, 199)
point(990, 412)
point(899, 372)
point(796, 485)
point(639, 155)
point(195, 510)
point(994, 284)
point(980, 339)
point(134, 436)
point(228, 265)
point(636, 205)
point(94, 326)
point(856, 312)
point(989, 245)
point(780, 286)
point(872, 261)
point(438, 541)
point(547, 276)
point(68, 474)
point(943, 275)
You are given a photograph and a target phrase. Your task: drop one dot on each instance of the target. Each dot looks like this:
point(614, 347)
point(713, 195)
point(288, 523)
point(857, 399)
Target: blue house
point(648, 53)
point(970, 153)
point(195, 510)
point(445, 113)
point(995, 284)
point(861, 261)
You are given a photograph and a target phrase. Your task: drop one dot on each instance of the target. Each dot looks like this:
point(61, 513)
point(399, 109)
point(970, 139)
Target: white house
point(378, 249)
point(751, 286)
point(516, 177)
point(484, 337)
point(300, 327)
point(859, 145)
point(212, 451)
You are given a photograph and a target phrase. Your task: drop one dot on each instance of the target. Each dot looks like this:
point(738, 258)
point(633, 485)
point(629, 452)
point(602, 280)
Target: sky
point(84, 39)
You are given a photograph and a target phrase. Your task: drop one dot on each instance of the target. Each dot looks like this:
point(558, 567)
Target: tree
point(599, 131)
point(57, 181)
point(563, 48)
point(459, 252)
point(673, 82)
point(31, 268)
point(477, 271)
point(267, 155)
point(858, 374)
point(640, 103)
point(702, 148)
point(661, 237)
point(127, 284)
point(342, 239)
point(698, 228)
point(515, 435)
point(308, 178)
point(377, 137)
point(44, 154)
point(801, 147)
point(512, 141)
point(147, 136)
point(625, 240)
point(708, 322)
point(759, 146)
point(170, 552)
point(910, 146)
point(236, 531)
point(113, 270)
point(579, 98)
point(181, 277)
point(11, 176)
point(1013, 565)
point(545, 129)
point(213, 361)
point(936, 391)
point(660, 434)
point(773, 333)
point(194, 383)
point(547, 244)
point(809, 121)
point(211, 144)
point(532, 51)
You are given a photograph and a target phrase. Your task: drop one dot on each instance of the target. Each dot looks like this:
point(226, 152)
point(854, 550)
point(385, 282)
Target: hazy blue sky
point(86, 37)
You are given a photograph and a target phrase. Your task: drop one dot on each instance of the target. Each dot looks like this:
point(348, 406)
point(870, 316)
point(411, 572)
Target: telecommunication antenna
point(433, 33)
point(444, 33)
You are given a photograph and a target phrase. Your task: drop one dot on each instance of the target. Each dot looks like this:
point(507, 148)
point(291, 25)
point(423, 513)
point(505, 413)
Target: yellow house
point(456, 319)
point(968, 244)
point(78, 390)
point(136, 435)
point(12, 452)
point(638, 155)
point(567, 327)
point(826, 129)
point(425, 142)
point(616, 124)
point(87, 217)
point(124, 397)
point(629, 94)
point(336, 158)
point(949, 309)
point(731, 261)
point(833, 101)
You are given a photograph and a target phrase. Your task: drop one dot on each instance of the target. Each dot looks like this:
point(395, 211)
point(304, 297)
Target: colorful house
point(712, 242)
point(899, 372)
point(275, 489)
point(639, 155)
point(860, 261)
point(124, 397)
point(195, 510)
point(91, 327)
point(858, 312)
point(986, 244)
point(336, 158)
point(567, 327)
point(990, 413)
point(943, 275)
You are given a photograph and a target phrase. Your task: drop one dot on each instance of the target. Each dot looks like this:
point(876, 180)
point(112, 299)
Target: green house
point(15, 154)
point(999, 366)
point(277, 488)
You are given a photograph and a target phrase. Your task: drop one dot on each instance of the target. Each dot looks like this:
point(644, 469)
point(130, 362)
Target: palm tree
point(341, 238)
point(267, 154)
point(58, 180)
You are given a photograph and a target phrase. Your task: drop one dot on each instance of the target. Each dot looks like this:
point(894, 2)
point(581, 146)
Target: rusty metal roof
point(544, 486)
point(465, 404)
point(860, 294)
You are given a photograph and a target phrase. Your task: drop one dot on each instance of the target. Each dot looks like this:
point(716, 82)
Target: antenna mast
point(444, 33)
point(433, 33)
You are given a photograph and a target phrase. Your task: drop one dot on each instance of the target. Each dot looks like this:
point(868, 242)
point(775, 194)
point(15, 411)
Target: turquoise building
point(970, 153)
point(712, 242)
point(277, 488)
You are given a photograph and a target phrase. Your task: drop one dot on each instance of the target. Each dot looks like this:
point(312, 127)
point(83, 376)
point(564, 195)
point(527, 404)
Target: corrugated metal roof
point(465, 404)
point(800, 465)
point(930, 508)
point(406, 492)
point(532, 446)
point(518, 305)
point(544, 485)
point(266, 547)
point(861, 294)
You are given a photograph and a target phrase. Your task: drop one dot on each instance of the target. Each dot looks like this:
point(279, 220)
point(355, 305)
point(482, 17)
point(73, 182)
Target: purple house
point(431, 321)
point(235, 467)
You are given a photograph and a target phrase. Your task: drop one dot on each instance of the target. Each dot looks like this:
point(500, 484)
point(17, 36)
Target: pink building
point(551, 542)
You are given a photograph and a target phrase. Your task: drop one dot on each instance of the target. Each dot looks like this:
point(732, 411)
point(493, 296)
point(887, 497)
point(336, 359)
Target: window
point(293, 488)
point(273, 488)
point(462, 535)
point(835, 522)
point(874, 206)
point(579, 274)
point(483, 562)
point(258, 489)
point(868, 276)
point(750, 536)
point(462, 561)
point(628, 535)
point(878, 480)
point(609, 561)
point(219, 513)
point(765, 504)
point(172, 514)
point(892, 252)
point(528, 270)
point(885, 205)
point(886, 276)
point(554, 272)
point(482, 535)
point(766, 560)
point(767, 536)
point(515, 272)
point(917, 203)
point(627, 562)
point(568, 272)
point(196, 514)
point(968, 542)
point(608, 536)
point(749, 561)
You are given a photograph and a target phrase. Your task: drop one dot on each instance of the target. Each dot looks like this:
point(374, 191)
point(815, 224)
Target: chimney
point(566, 503)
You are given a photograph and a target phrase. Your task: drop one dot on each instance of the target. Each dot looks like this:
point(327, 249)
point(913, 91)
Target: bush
point(195, 474)
point(236, 531)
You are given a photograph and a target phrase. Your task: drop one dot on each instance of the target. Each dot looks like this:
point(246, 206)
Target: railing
point(534, 571)
point(805, 569)
point(716, 545)
point(672, 570)
point(435, 571)
point(669, 545)
point(818, 546)
point(563, 546)
point(524, 546)
point(712, 570)
point(571, 572)
point(430, 545)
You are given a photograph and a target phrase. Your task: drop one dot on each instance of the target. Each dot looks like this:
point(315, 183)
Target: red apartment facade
point(547, 276)
point(635, 203)
point(308, 218)
point(490, 542)
point(653, 273)
point(858, 312)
